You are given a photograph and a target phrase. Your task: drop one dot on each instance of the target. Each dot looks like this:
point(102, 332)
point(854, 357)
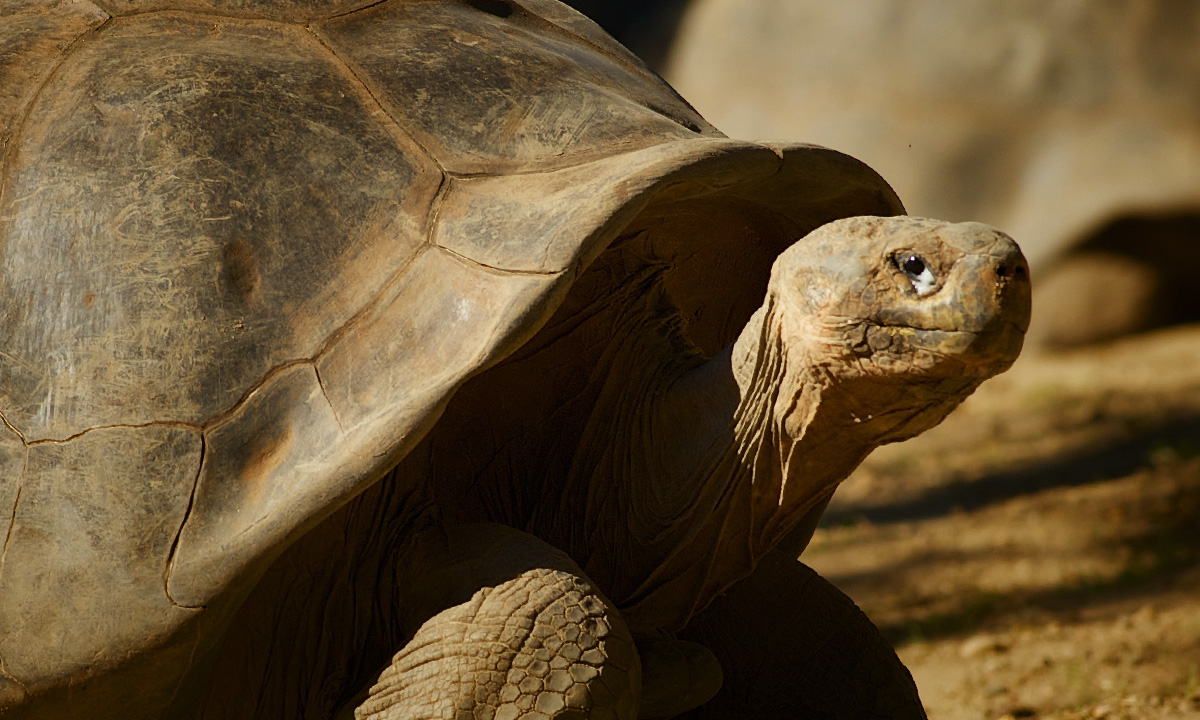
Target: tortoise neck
point(743, 456)
point(793, 445)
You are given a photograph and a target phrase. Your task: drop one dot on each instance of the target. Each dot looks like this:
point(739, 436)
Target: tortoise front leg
point(528, 636)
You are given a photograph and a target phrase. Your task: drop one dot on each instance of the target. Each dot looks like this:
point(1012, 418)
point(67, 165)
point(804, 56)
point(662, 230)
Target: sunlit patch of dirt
point(1038, 555)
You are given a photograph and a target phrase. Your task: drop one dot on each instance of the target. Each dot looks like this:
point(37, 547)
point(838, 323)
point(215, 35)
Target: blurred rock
point(1137, 273)
point(1094, 297)
point(1055, 120)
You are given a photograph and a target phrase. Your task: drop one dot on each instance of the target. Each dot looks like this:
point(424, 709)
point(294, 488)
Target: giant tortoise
point(424, 358)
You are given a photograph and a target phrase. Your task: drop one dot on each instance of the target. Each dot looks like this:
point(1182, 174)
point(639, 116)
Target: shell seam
point(12, 522)
point(271, 373)
point(507, 271)
point(115, 426)
point(229, 14)
point(202, 427)
point(324, 394)
point(6, 674)
point(369, 307)
point(13, 518)
point(187, 515)
point(346, 13)
point(18, 126)
point(13, 429)
point(431, 218)
point(354, 72)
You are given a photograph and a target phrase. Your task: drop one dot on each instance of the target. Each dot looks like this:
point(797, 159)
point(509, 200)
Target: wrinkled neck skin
point(769, 448)
point(724, 458)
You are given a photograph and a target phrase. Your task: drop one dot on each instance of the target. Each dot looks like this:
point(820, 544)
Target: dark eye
point(918, 272)
point(913, 265)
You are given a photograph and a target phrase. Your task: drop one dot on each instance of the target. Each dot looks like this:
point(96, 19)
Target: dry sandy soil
point(1038, 555)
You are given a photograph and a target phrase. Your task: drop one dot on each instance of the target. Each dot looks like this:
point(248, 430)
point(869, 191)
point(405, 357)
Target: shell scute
point(265, 467)
point(84, 561)
point(187, 208)
point(495, 95)
point(34, 37)
point(446, 319)
point(312, 436)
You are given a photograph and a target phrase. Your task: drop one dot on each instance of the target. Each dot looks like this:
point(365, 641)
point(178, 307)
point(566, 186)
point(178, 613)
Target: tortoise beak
point(1001, 275)
point(998, 309)
point(1006, 272)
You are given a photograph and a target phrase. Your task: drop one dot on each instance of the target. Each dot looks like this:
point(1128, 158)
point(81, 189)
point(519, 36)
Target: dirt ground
point(1038, 555)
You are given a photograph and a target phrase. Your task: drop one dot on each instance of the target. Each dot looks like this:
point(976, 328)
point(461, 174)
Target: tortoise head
point(897, 319)
point(872, 330)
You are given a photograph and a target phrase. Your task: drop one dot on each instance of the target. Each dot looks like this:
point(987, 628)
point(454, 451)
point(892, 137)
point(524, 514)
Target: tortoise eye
point(913, 266)
point(918, 272)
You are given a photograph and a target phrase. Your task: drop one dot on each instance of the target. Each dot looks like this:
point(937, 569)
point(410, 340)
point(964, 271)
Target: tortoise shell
point(251, 249)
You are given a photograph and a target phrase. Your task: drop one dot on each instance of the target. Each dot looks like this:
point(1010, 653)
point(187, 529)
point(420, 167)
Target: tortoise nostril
point(1012, 268)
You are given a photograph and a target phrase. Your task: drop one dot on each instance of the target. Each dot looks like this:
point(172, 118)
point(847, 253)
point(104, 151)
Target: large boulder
point(1072, 125)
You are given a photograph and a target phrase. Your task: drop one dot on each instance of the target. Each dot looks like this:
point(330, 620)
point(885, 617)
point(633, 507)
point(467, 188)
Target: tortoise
point(426, 357)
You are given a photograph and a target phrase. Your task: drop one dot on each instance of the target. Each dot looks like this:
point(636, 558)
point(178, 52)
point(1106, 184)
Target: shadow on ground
point(1178, 439)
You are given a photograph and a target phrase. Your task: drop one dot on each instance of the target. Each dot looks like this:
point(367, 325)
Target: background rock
point(1058, 121)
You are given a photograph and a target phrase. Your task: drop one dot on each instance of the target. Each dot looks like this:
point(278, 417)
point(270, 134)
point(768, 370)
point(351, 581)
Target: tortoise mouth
point(990, 349)
point(991, 328)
